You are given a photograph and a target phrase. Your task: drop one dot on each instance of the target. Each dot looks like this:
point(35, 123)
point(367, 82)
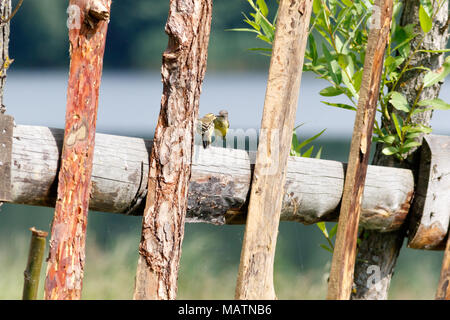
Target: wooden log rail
point(219, 186)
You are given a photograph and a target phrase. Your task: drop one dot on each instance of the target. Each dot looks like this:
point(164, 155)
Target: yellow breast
point(222, 126)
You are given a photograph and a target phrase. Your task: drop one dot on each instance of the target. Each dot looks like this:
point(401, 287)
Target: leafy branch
point(336, 51)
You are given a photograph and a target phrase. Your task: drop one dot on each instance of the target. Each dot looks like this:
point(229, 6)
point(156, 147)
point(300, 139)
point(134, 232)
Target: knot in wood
point(96, 12)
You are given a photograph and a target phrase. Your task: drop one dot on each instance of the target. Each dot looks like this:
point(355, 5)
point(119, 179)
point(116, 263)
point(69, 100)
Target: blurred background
point(130, 95)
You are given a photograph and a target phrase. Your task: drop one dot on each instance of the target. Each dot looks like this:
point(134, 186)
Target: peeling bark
point(183, 69)
point(343, 263)
point(382, 250)
point(87, 37)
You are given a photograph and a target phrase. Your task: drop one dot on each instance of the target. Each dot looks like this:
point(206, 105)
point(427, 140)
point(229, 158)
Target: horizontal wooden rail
point(219, 184)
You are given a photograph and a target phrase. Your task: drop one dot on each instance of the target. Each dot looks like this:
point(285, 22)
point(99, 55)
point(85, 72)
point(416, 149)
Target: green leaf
point(323, 228)
point(313, 49)
point(412, 135)
point(255, 25)
point(411, 144)
point(427, 6)
point(263, 7)
point(268, 29)
point(333, 231)
point(333, 66)
point(308, 141)
point(317, 7)
point(242, 29)
point(331, 91)
point(425, 20)
point(434, 77)
point(389, 151)
point(350, 86)
point(357, 79)
point(340, 105)
point(397, 125)
point(264, 38)
point(348, 3)
point(326, 248)
point(389, 139)
point(435, 51)
point(399, 101)
point(260, 49)
point(417, 128)
point(307, 153)
point(437, 103)
point(319, 153)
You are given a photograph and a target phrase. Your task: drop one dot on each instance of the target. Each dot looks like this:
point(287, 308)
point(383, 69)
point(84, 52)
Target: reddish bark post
point(443, 291)
point(183, 69)
point(87, 23)
point(343, 263)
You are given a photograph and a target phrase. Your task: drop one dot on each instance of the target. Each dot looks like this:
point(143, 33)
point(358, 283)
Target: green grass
point(207, 271)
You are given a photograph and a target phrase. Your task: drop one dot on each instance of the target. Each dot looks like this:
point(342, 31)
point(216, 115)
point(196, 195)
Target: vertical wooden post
point(343, 263)
point(381, 249)
point(443, 291)
point(5, 15)
point(184, 65)
point(88, 23)
point(6, 122)
point(255, 278)
point(35, 258)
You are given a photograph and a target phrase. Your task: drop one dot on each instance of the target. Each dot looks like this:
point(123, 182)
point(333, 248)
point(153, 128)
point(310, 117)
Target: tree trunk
point(378, 252)
point(343, 263)
point(88, 23)
point(183, 70)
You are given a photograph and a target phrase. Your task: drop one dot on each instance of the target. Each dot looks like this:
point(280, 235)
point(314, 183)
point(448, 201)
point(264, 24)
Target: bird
point(210, 123)
point(221, 124)
point(205, 127)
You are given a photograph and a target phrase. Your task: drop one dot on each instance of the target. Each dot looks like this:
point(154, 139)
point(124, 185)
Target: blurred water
point(130, 102)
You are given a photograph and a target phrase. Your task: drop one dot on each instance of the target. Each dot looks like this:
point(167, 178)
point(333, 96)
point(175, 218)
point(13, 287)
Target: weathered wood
point(443, 291)
point(431, 212)
point(343, 262)
point(184, 64)
point(255, 277)
point(6, 141)
point(381, 250)
point(219, 186)
point(88, 24)
point(32, 272)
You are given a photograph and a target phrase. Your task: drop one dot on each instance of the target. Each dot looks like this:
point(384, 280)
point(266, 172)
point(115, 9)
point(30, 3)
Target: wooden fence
point(170, 181)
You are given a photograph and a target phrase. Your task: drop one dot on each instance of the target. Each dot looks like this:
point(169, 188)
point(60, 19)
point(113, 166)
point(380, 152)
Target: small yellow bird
point(221, 124)
point(205, 127)
point(210, 124)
